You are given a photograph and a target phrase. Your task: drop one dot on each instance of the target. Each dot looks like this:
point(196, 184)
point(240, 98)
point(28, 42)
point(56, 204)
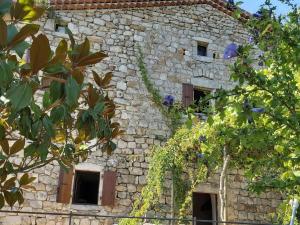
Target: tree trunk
point(223, 186)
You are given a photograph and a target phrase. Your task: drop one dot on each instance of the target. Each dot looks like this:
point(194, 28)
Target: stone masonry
point(168, 36)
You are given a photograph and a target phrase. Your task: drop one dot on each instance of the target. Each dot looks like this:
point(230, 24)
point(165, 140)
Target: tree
point(50, 110)
point(267, 96)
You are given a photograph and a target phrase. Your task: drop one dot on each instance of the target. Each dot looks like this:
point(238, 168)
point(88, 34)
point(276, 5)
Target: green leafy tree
point(49, 109)
point(266, 98)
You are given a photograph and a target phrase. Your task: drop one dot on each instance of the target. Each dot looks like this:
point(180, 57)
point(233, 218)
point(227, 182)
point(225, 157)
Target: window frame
point(88, 167)
point(204, 42)
point(202, 45)
point(75, 187)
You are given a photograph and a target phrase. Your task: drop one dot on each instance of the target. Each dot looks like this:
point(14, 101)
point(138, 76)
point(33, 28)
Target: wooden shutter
point(109, 188)
point(187, 94)
point(64, 186)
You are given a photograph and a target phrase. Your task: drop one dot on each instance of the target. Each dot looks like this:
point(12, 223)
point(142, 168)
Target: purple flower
point(231, 51)
point(202, 138)
point(168, 100)
point(200, 155)
point(251, 40)
point(258, 14)
point(258, 110)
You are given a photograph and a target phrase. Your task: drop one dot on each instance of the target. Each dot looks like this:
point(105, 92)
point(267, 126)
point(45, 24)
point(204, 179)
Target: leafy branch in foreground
point(49, 110)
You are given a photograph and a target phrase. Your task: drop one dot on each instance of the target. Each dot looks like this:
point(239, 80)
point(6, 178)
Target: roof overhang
point(221, 5)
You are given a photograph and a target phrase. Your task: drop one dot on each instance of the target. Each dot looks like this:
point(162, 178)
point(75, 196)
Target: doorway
point(205, 207)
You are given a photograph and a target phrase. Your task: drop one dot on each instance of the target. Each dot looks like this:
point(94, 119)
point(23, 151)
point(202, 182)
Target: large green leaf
point(48, 125)
point(57, 114)
point(5, 6)
point(56, 91)
point(19, 47)
point(11, 32)
point(43, 151)
point(72, 91)
point(20, 96)
point(6, 74)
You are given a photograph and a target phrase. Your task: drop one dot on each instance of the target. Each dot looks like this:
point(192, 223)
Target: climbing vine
point(171, 111)
point(179, 151)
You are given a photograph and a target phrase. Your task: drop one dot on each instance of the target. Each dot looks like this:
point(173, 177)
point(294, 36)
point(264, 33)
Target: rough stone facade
point(168, 37)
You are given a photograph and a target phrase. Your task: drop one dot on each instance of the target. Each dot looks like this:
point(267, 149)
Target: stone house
point(183, 43)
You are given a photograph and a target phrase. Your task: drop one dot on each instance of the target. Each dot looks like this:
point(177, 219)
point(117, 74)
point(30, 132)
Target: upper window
point(86, 187)
point(202, 49)
point(60, 28)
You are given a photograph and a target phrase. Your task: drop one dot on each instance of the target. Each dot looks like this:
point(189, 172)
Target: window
point(86, 187)
point(205, 207)
point(60, 28)
point(202, 49)
point(199, 95)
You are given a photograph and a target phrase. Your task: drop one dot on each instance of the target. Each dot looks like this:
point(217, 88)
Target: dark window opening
point(204, 208)
point(216, 55)
point(60, 28)
point(86, 187)
point(202, 49)
point(199, 100)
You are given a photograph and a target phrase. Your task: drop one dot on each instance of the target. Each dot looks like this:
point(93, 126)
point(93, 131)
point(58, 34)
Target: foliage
point(49, 110)
point(267, 98)
point(258, 120)
point(265, 101)
point(179, 151)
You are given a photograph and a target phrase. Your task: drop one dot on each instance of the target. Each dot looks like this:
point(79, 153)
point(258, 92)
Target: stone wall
point(168, 37)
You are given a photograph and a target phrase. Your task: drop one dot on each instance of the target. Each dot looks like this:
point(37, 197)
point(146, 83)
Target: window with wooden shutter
point(109, 188)
point(187, 94)
point(64, 186)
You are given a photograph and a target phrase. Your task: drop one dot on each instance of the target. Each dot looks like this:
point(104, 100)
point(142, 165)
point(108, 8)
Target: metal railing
point(194, 221)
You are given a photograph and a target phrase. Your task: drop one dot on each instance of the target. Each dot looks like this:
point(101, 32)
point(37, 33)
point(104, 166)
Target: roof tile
point(123, 4)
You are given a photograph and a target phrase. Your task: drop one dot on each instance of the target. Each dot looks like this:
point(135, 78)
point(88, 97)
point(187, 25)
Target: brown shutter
point(187, 94)
point(64, 186)
point(109, 188)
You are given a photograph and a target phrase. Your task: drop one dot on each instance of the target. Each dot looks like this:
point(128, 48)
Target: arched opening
point(204, 208)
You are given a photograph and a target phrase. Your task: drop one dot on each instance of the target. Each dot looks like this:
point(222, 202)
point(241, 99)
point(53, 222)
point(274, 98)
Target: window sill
point(84, 207)
point(204, 59)
point(60, 34)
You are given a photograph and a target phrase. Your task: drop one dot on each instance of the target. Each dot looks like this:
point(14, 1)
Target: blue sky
point(253, 5)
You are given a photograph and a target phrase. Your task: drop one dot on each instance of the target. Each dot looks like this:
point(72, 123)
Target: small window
point(86, 188)
point(60, 28)
point(202, 49)
point(199, 95)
